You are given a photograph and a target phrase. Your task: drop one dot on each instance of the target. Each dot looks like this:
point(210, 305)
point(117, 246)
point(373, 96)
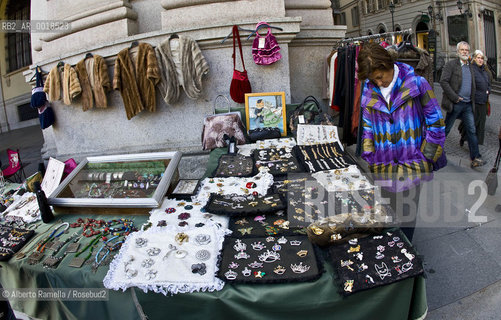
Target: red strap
point(236, 35)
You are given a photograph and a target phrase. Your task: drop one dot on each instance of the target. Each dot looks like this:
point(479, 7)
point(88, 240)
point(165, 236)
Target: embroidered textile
point(247, 149)
point(166, 261)
point(375, 261)
point(184, 215)
point(322, 157)
point(12, 240)
point(242, 205)
point(269, 260)
point(279, 161)
point(234, 166)
point(308, 134)
point(263, 180)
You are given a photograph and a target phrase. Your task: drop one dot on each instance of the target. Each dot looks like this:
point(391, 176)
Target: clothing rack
point(375, 36)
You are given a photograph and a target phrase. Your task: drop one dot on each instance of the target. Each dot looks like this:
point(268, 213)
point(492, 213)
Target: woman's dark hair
point(373, 57)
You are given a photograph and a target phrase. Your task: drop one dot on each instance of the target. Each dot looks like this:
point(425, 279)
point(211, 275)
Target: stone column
point(91, 22)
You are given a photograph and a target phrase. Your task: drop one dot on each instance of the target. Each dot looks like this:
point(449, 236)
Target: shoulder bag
point(240, 84)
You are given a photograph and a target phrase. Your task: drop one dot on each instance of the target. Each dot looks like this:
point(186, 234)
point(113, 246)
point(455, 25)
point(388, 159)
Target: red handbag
point(240, 84)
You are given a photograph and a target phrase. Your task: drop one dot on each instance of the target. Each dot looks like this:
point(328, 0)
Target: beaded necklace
point(37, 255)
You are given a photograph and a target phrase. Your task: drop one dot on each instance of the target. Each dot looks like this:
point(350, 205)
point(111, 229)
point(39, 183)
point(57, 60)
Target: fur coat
point(136, 82)
point(192, 64)
point(53, 85)
point(95, 82)
point(71, 85)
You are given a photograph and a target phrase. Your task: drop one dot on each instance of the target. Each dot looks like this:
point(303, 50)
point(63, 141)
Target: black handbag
point(492, 177)
point(264, 133)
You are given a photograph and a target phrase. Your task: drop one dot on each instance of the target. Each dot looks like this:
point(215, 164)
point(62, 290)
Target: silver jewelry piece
point(153, 251)
point(147, 263)
point(141, 242)
point(202, 255)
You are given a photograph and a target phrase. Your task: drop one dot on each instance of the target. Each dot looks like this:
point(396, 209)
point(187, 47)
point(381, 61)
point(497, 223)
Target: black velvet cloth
point(321, 157)
point(279, 161)
point(235, 166)
point(232, 269)
point(270, 224)
point(12, 240)
point(244, 205)
point(393, 264)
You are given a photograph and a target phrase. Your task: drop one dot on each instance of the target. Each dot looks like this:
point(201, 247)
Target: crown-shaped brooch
point(269, 256)
point(300, 268)
point(255, 265)
point(246, 272)
point(276, 247)
point(258, 246)
point(295, 243)
point(233, 265)
point(282, 240)
point(270, 239)
point(230, 275)
point(279, 270)
point(241, 255)
point(239, 245)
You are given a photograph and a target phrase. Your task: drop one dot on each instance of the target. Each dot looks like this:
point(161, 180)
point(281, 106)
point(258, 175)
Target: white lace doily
point(24, 207)
point(263, 181)
point(308, 134)
point(347, 179)
point(194, 209)
point(247, 149)
point(153, 260)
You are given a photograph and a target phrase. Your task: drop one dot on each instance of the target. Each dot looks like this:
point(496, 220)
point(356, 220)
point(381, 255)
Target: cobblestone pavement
point(460, 155)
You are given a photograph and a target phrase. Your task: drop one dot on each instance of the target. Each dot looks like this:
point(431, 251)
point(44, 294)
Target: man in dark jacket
point(458, 84)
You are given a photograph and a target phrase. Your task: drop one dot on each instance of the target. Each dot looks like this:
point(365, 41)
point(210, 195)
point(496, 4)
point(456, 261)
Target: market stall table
point(307, 300)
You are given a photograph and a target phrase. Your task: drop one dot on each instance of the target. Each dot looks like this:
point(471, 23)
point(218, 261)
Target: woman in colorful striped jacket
point(403, 128)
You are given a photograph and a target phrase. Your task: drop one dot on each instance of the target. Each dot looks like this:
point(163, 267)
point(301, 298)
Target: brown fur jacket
point(137, 81)
point(71, 85)
point(53, 85)
point(419, 59)
point(95, 82)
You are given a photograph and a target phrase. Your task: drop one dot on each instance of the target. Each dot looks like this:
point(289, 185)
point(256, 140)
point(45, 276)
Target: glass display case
point(119, 181)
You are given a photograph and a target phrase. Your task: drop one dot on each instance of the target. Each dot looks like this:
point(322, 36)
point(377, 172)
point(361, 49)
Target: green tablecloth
point(311, 300)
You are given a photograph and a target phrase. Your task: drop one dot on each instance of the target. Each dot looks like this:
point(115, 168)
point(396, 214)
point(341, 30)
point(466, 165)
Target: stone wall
point(106, 27)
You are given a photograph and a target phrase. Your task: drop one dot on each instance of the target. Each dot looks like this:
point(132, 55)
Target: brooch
point(202, 239)
point(181, 238)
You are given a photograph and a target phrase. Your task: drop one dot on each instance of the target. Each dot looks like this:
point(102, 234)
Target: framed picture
point(266, 109)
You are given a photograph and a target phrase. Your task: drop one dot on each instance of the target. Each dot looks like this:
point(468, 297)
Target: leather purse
point(218, 125)
point(308, 112)
point(240, 84)
point(264, 133)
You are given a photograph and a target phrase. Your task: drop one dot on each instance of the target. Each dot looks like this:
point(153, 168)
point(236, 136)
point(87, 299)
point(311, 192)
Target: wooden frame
point(64, 195)
point(266, 109)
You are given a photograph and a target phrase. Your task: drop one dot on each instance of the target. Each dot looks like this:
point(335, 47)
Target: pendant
point(77, 262)
point(35, 257)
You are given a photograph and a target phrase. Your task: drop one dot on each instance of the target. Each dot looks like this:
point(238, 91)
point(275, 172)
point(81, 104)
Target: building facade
point(15, 58)
point(104, 27)
point(478, 22)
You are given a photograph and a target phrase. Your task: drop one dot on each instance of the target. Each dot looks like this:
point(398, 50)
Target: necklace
point(77, 261)
point(37, 255)
point(109, 248)
point(53, 260)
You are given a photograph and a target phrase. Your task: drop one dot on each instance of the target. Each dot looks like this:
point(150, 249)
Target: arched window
point(18, 43)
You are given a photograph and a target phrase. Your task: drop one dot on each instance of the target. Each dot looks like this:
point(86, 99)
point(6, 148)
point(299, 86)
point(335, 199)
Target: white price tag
point(261, 43)
point(301, 118)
